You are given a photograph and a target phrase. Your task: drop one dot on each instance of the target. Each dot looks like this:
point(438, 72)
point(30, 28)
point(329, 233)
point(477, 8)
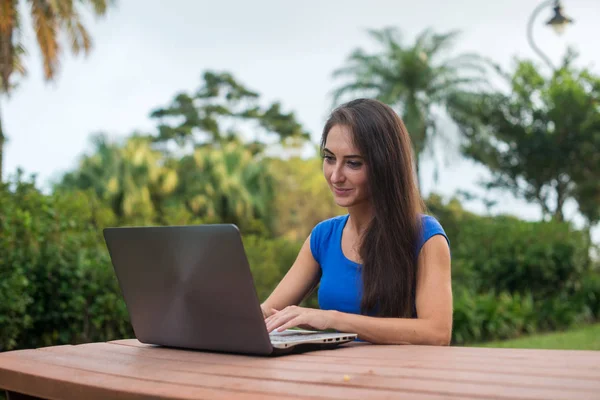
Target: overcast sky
point(147, 51)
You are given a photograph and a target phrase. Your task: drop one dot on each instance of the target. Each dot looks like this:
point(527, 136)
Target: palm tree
point(226, 183)
point(130, 178)
point(50, 18)
point(411, 79)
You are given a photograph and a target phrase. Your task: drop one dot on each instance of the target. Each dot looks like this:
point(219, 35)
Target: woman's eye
point(354, 164)
point(329, 159)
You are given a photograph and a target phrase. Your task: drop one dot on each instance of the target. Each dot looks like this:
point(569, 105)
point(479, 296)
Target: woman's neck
point(360, 218)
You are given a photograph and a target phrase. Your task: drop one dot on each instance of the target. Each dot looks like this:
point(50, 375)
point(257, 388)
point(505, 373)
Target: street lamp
point(558, 22)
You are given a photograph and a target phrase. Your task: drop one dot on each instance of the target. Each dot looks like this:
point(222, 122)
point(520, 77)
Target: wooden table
point(127, 369)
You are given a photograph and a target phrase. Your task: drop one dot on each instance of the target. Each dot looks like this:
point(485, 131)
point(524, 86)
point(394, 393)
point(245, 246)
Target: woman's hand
point(266, 312)
point(294, 316)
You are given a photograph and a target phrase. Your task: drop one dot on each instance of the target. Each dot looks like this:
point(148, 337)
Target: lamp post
point(558, 22)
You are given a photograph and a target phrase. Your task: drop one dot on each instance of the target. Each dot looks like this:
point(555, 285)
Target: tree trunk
point(416, 126)
point(418, 171)
point(2, 139)
point(561, 192)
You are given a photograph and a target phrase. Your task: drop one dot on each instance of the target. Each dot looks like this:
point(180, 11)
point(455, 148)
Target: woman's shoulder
point(431, 227)
point(325, 233)
point(429, 222)
point(330, 224)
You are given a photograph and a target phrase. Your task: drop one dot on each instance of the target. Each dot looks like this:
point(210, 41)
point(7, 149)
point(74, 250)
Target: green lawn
point(583, 338)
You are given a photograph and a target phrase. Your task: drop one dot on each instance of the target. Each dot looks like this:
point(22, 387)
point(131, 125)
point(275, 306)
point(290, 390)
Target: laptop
point(191, 287)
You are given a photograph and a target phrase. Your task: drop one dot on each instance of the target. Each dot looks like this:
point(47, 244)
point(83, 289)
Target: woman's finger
point(280, 319)
point(277, 320)
point(273, 313)
point(294, 322)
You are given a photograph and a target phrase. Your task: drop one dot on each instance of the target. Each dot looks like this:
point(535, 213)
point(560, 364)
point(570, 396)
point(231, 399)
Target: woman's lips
point(341, 192)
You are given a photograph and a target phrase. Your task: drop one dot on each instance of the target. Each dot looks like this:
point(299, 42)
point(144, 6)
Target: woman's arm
point(295, 285)
point(434, 308)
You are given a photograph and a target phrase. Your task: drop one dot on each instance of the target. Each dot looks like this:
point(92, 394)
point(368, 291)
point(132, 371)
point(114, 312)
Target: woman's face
point(344, 168)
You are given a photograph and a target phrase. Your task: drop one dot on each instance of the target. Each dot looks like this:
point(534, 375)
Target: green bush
point(487, 316)
point(57, 284)
point(60, 287)
point(519, 257)
point(506, 254)
point(269, 261)
point(480, 317)
point(15, 249)
point(589, 294)
point(503, 267)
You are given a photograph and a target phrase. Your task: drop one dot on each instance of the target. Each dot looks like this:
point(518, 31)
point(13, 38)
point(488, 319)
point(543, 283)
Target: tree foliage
point(303, 197)
point(412, 79)
point(130, 178)
point(215, 174)
point(541, 139)
point(227, 184)
point(219, 110)
point(50, 19)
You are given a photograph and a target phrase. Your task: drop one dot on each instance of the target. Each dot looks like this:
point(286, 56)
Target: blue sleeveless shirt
point(341, 279)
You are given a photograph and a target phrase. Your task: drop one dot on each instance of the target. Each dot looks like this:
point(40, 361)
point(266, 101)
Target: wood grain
point(128, 369)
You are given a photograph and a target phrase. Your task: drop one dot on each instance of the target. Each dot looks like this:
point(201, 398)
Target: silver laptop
point(191, 287)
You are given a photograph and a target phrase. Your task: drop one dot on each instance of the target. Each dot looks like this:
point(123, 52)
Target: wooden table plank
point(150, 372)
point(579, 358)
point(53, 381)
point(218, 362)
point(571, 359)
point(128, 369)
point(441, 363)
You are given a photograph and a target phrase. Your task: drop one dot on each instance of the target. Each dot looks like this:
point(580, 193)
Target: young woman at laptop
point(384, 268)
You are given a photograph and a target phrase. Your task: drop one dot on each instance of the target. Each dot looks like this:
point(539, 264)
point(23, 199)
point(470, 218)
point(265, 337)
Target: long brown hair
point(389, 244)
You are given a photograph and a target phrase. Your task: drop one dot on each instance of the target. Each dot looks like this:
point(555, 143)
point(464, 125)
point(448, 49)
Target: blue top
point(341, 279)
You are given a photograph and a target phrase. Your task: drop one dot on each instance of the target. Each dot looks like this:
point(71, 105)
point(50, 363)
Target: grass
point(582, 338)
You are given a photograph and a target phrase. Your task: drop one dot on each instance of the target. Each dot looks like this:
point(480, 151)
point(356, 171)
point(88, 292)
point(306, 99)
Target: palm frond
point(70, 21)
point(358, 60)
point(388, 36)
point(78, 35)
point(411, 79)
point(369, 73)
point(466, 64)
point(497, 68)
point(441, 92)
point(100, 6)
point(9, 58)
point(46, 27)
point(439, 43)
point(469, 57)
point(423, 39)
point(8, 15)
point(366, 89)
point(458, 74)
point(18, 60)
point(393, 94)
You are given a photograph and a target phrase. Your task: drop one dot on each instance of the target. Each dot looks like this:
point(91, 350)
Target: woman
point(384, 268)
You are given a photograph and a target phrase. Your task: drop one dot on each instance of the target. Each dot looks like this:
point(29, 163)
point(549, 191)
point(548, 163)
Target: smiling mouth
point(340, 190)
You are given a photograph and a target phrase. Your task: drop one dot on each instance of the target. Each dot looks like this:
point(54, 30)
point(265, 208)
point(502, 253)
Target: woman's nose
point(337, 175)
